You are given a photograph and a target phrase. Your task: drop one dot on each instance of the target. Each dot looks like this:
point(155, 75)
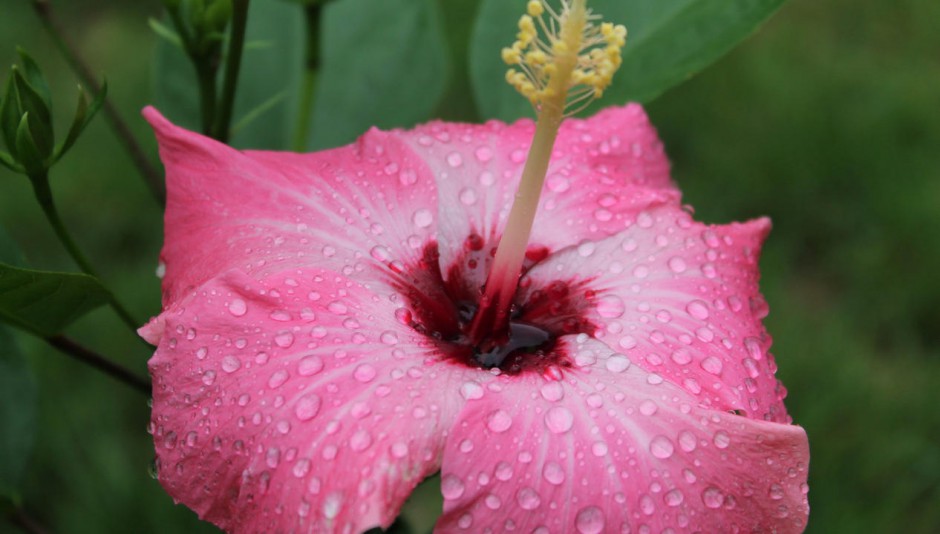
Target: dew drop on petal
point(498, 421)
point(661, 447)
point(673, 497)
point(648, 407)
point(307, 407)
point(454, 159)
point(278, 378)
point(528, 499)
point(681, 356)
point(360, 441)
point(208, 378)
point(687, 441)
point(468, 196)
point(364, 373)
point(721, 439)
point(284, 339)
point(617, 363)
point(677, 265)
point(471, 390)
point(610, 306)
point(553, 473)
point(590, 520)
point(451, 487)
point(697, 309)
point(712, 365)
point(713, 497)
point(552, 391)
point(559, 419)
point(422, 218)
point(310, 365)
point(230, 364)
point(238, 307)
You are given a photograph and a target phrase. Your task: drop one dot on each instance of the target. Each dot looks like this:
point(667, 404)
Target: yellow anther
point(573, 52)
point(535, 8)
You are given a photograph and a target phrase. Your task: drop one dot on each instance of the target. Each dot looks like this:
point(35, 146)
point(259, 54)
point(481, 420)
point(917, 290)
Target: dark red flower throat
point(453, 312)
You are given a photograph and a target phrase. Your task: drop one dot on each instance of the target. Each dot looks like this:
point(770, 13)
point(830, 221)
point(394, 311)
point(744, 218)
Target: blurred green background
point(827, 120)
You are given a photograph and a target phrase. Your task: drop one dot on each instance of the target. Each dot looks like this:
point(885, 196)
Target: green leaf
point(265, 73)
point(18, 415)
point(40, 116)
point(384, 64)
point(668, 41)
point(84, 113)
point(164, 31)
point(26, 150)
point(35, 77)
point(44, 303)
point(10, 116)
point(7, 161)
point(10, 253)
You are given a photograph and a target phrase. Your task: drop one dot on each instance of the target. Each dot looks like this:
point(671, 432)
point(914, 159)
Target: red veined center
point(444, 309)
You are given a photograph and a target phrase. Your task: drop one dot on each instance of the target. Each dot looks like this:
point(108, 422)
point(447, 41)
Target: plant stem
point(99, 362)
point(20, 518)
point(152, 177)
point(308, 88)
point(44, 197)
point(206, 77)
point(233, 59)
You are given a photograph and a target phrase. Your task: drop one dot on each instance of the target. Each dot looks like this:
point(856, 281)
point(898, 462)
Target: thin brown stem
point(87, 356)
point(20, 518)
point(69, 51)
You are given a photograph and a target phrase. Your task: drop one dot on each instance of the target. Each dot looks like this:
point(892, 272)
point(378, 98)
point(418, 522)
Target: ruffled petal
point(612, 447)
point(603, 169)
point(264, 212)
point(681, 299)
point(296, 404)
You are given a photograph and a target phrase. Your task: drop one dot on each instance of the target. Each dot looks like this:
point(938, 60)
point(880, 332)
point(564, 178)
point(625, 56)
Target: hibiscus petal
point(615, 448)
point(264, 212)
point(296, 403)
point(603, 169)
point(681, 299)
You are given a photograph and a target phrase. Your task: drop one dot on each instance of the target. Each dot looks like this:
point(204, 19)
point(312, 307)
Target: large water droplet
point(498, 421)
point(310, 365)
point(559, 419)
point(661, 447)
point(238, 307)
point(610, 306)
point(590, 520)
point(713, 497)
point(471, 390)
point(712, 365)
point(553, 473)
point(697, 309)
point(278, 378)
point(360, 441)
point(364, 373)
point(451, 487)
point(307, 407)
point(422, 218)
point(722, 440)
point(528, 499)
point(617, 363)
point(230, 364)
point(677, 265)
point(673, 497)
point(284, 339)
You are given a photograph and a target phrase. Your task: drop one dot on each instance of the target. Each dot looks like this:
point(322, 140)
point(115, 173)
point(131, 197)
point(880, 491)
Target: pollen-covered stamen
point(539, 62)
point(559, 74)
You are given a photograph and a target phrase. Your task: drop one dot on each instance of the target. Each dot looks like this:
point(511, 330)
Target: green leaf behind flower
point(18, 407)
point(667, 42)
point(43, 302)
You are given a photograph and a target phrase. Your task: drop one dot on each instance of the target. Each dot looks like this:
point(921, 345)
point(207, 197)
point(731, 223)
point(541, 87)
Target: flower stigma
point(560, 70)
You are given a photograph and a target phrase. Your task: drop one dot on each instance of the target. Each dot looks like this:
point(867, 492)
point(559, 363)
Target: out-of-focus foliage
point(827, 120)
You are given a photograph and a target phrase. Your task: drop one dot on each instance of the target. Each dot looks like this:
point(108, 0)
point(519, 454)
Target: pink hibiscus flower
point(313, 363)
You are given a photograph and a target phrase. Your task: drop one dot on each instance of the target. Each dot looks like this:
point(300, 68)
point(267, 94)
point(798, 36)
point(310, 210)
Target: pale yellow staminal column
point(559, 75)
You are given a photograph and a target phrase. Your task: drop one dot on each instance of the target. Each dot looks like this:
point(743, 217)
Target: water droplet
point(408, 177)
point(468, 196)
point(364, 373)
point(280, 315)
point(307, 407)
point(483, 154)
point(590, 520)
point(557, 183)
point(697, 309)
point(599, 448)
point(208, 377)
point(422, 218)
point(360, 441)
point(722, 440)
point(673, 497)
point(338, 307)
point(388, 337)
point(641, 271)
point(776, 492)
point(552, 391)
point(553, 473)
point(610, 306)
point(617, 363)
point(451, 487)
point(238, 307)
point(677, 265)
point(230, 364)
point(310, 365)
point(713, 497)
point(528, 499)
point(454, 159)
point(380, 253)
point(278, 378)
point(301, 468)
point(648, 407)
point(471, 390)
point(559, 419)
point(284, 339)
point(712, 365)
point(498, 421)
point(687, 441)
point(661, 447)
point(681, 356)
point(201, 353)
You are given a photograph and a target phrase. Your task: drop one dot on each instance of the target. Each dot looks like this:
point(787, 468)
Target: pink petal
point(614, 448)
point(296, 403)
point(681, 299)
point(264, 212)
point(603, 169)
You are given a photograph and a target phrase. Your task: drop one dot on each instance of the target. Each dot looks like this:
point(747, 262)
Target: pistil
point(560, 75)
